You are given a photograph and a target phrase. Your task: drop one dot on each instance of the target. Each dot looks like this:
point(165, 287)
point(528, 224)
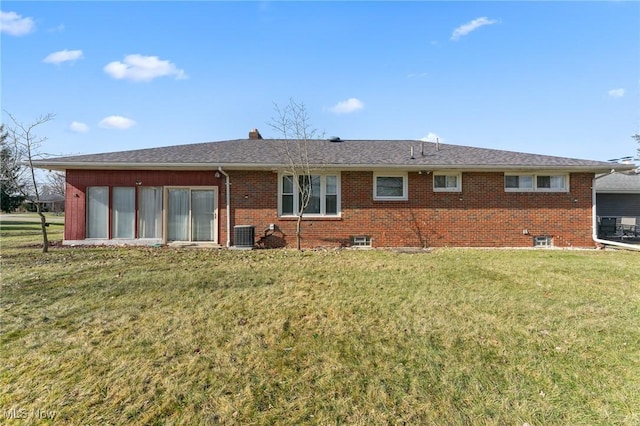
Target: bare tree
point(637, 138)
point(27, 147)
point(53, 190)
point(56, 183)
point(293, 124)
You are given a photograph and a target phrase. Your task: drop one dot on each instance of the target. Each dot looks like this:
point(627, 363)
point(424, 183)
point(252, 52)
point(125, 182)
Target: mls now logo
point(22, 413)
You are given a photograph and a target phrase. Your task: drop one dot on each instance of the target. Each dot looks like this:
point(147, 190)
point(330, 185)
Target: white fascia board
point(43, 164)
point(148, 166)
point(480, 168)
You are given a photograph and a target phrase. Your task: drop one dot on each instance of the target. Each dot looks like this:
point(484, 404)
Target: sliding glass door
point(191, 214)
point(202, 215)
point(178, 215)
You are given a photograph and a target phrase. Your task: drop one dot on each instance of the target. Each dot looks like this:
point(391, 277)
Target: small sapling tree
point(293, 124)
point(26, 145)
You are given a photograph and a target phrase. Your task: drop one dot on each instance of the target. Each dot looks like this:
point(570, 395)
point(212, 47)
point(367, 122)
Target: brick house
point(379, 193)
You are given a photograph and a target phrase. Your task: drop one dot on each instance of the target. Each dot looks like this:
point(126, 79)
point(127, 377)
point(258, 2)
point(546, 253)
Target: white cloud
point(465, 29)
point(78, 127)
point(143, 68)
point(58, 29)
point(348, 106)
point(616, 93)
point(63, 56)
point(116, 122)
point(431, 137)
point(14, 24)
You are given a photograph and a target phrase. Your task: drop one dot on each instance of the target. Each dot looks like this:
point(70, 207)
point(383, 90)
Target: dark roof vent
point(335, 139)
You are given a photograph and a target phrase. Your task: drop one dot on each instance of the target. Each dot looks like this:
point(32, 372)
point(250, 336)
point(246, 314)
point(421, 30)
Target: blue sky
point(557, 78)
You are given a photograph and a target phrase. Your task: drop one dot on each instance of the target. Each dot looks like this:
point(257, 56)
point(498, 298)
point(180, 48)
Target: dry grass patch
point(113, 335)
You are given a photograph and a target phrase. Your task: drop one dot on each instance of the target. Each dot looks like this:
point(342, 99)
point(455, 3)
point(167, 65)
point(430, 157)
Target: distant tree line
point(20, 146)
point(11, 188)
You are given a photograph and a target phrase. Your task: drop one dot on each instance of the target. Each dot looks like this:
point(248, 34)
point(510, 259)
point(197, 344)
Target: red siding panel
point(79, 180)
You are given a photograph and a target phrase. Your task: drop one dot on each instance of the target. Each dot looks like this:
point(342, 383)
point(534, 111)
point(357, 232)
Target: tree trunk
point(43, 225)
point(298, 236)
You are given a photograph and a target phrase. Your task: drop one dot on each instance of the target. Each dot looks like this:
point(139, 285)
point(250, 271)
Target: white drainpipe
point(595, 220)
point(226, 176)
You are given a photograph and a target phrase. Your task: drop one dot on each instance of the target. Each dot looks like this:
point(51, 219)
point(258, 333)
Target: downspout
point(594, 224)
point(226, 180)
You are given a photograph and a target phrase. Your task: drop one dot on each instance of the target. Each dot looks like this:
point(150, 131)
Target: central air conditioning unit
point(244, 236)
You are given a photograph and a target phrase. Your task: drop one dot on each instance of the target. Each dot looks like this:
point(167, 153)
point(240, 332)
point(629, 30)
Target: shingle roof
point(271, 153)
point(619, 183)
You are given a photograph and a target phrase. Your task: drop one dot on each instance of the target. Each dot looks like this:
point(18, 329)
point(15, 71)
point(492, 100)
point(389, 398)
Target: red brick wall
point(482, 215)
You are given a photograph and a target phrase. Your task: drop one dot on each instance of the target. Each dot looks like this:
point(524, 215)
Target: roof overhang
point(62, 166)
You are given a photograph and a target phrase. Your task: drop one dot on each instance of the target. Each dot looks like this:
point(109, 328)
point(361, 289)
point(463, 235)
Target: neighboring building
point(380, 193)
point(618, 195)
point(48, 202)
point(618, 204)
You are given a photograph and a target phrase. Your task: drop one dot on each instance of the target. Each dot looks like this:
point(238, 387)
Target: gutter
point(227, 184)
point(410, 166)
point(594, 223)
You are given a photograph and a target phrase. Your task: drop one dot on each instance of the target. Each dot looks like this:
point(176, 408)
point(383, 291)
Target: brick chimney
point(255, 134)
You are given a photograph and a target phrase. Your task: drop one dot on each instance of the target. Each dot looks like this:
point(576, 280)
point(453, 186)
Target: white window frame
point(361, 241)
point(323, 196)
point(543, 241)
point(457, 188)
point(534, 178)
point(405, 186)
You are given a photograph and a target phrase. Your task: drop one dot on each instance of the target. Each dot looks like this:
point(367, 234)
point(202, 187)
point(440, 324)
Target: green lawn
point(200, 336)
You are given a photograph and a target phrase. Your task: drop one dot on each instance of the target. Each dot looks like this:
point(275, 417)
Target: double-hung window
point(536, 182)
point(390, 187)
point(447, 182)
point(313, 195)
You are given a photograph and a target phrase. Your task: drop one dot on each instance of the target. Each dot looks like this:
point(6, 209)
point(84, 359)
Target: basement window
point(542, 241)
point(361, 241)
